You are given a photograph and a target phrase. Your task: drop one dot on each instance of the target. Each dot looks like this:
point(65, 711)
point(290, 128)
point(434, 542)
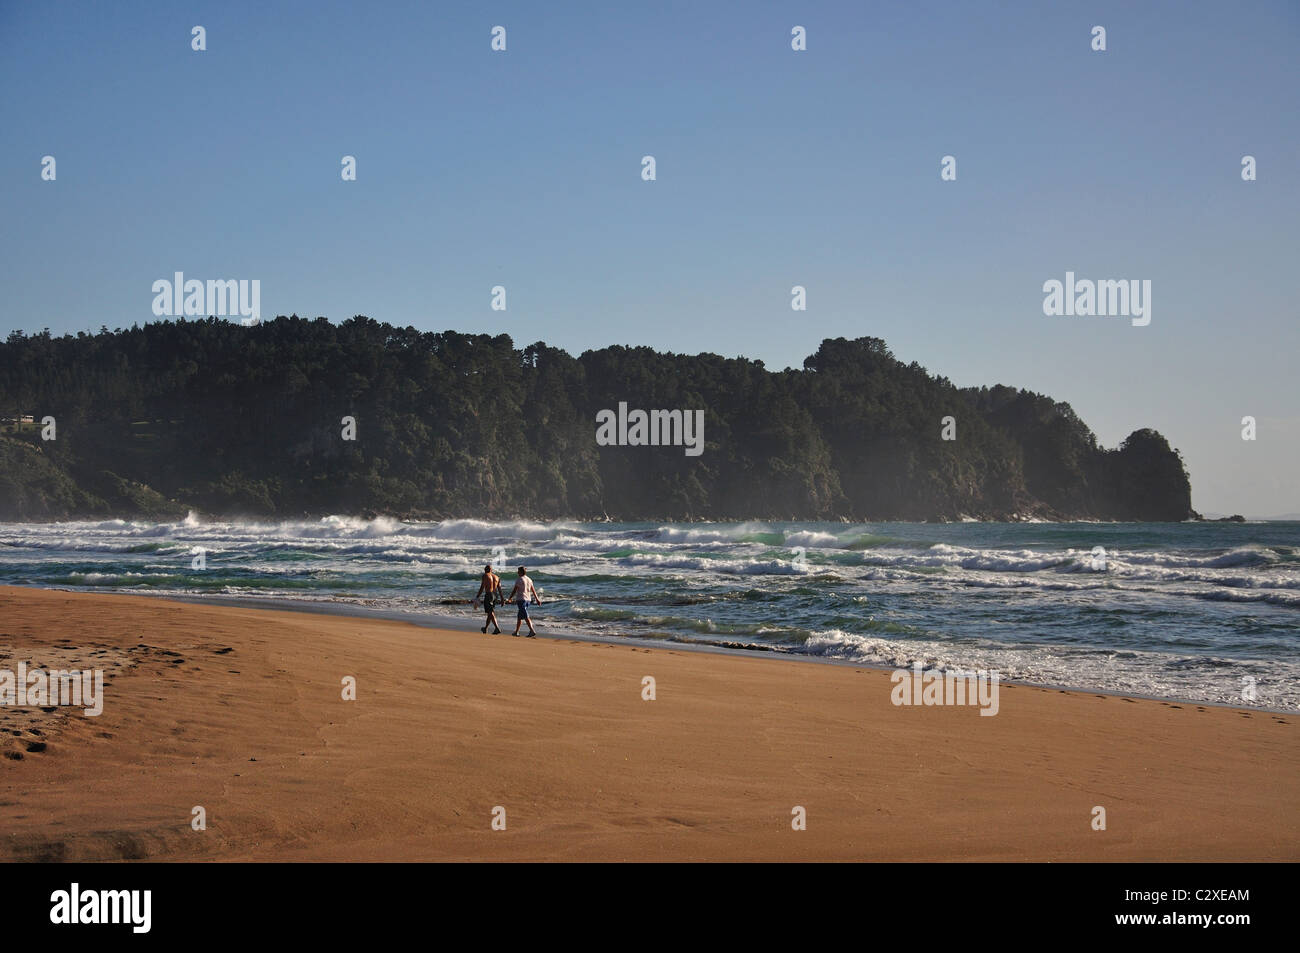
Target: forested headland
point(154, 420)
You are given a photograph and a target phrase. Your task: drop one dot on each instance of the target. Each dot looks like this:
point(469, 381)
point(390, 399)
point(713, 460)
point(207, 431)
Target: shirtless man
point(490, 590)
point(520, 595)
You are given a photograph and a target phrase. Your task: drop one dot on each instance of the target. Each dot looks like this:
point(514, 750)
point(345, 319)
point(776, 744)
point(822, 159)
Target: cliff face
point(1071, 476)
point(249, 421)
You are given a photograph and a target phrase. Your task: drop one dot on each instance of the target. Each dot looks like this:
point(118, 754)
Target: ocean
point(1200, 612)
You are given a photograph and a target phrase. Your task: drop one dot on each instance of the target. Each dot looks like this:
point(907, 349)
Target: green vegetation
point(246, 421)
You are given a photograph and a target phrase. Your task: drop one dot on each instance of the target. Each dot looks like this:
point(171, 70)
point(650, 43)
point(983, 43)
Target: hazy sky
point(775, 168)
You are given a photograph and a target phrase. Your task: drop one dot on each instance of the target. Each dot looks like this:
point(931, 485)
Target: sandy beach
point(240, 712)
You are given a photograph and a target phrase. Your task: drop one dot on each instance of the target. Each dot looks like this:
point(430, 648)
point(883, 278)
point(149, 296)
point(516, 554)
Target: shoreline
point(238, 711)
point(196, 513)
point(439, 621)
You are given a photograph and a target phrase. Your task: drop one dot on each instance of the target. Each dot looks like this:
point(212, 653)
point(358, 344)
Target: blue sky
point(775, 168)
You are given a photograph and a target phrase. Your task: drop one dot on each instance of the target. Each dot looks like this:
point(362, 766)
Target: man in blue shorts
point(524, 592)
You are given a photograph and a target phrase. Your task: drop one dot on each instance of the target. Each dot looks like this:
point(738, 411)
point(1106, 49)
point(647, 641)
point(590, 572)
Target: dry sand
point(240, 711)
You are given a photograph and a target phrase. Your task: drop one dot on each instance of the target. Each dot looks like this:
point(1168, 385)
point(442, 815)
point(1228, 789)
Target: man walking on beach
point(520, 595)
point(490, 590)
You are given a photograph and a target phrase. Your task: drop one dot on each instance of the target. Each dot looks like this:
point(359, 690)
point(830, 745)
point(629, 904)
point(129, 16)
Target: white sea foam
point(1199, 601)
point(1131, 672)
point(748, 567)
point(811, 538)
point(728, 533)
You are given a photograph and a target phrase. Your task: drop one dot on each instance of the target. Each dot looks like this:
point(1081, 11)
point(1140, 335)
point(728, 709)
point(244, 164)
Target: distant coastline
point(294, 418)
